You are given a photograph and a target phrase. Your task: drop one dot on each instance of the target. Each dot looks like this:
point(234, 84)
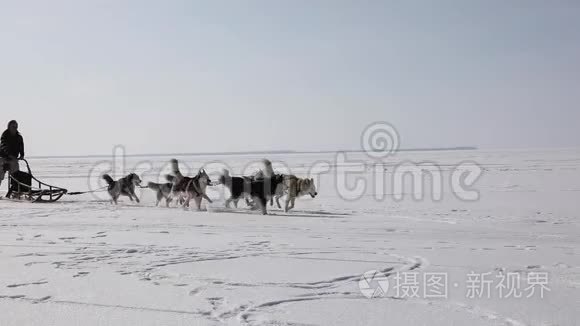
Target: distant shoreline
point(461, 148)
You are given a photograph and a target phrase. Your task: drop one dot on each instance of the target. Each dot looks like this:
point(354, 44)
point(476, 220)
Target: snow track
point(82, 261)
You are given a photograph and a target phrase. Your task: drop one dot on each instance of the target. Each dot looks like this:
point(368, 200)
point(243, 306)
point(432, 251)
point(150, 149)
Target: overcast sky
point(199, 76)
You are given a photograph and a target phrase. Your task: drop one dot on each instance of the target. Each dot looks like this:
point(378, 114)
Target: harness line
point(87, 192)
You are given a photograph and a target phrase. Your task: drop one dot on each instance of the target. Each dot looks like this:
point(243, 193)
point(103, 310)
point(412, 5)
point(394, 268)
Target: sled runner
point(24, 186)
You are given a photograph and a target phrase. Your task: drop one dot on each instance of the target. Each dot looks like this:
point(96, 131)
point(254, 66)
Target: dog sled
point(24, 186)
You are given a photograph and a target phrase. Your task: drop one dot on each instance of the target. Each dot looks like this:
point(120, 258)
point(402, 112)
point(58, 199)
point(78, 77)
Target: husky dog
point(294, 187)
point(124, 186)
point(162, 191)
point(268, 172)
point(235, 183)
point(258, 189)
point(188, 187)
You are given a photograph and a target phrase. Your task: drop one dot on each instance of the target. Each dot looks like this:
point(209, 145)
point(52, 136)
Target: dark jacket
point(11, 145)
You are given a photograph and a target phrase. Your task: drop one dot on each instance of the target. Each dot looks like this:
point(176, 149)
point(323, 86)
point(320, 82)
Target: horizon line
point(273, 152)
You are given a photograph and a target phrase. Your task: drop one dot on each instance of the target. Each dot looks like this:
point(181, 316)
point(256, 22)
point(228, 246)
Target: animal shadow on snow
point(293, 213)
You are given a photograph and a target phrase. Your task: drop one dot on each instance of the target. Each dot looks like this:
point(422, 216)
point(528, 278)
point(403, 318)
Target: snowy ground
point(82, 261)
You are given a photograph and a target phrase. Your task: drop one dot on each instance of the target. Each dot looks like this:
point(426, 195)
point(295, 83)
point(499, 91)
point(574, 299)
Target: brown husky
point(295, 187)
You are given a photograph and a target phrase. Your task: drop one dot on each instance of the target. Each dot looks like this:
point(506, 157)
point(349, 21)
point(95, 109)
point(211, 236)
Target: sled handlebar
point(27, 165)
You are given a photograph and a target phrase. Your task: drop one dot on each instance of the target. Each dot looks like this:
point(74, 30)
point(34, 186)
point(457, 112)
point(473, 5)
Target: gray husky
point(124, 186)
point(162, 191)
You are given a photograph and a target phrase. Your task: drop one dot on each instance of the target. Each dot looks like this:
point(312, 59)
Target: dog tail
point(268, 170)
point(224, 177)
point(153, 185)
point(175, 168)
point(108, 179)
point(169, 178)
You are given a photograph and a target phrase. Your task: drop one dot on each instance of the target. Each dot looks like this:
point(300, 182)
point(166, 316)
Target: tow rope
point(87, 192)
point(96, 190)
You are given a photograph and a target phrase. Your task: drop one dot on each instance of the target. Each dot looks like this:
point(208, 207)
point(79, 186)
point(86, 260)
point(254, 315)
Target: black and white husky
point(260, 189)
point(292, 187)
point(189, 187)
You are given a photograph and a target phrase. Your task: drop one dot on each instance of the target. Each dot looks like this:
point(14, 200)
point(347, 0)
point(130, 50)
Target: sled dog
point(124, 186)
point(189, 187)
